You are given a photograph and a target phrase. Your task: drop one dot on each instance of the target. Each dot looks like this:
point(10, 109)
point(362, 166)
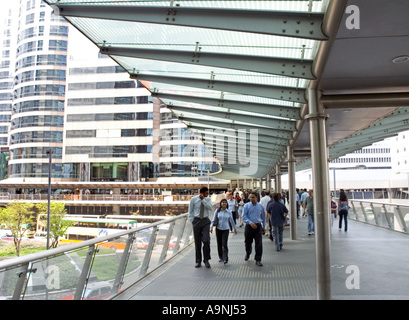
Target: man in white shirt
point(304, 196)
point(265, 198)
point(200, 207)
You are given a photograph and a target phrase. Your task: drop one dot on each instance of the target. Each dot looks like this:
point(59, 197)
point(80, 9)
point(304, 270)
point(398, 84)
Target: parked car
point(95, 291)
point(7, 238)
point(141, 244)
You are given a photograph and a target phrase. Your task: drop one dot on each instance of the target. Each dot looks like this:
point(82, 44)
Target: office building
point(37, 117)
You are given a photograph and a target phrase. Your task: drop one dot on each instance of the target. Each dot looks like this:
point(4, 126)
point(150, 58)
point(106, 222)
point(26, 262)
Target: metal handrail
point(381, 214)
point(26, 261)
point(5, 197)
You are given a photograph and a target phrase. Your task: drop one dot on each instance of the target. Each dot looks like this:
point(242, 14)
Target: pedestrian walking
point(224, 219)
point(278, 213)
point(199, 208)
point(255, 219)
point(309, 209)
point(343, 208)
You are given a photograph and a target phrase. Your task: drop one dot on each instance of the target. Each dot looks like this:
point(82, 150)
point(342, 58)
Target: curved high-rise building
point(7, 50)
point(39, 93)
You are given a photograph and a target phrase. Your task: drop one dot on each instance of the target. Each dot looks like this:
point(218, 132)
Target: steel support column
point(319, 156)
point(268, 183)
point(291, 188)
point(278, 179)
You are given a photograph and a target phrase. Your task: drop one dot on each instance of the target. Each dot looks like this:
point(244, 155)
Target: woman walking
point(343, 207)
point(224, 219)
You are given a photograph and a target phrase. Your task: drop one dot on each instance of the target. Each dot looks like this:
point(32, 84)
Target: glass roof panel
point(163, 77)
point(165, 68)
point(146, 35)
point(282, 5)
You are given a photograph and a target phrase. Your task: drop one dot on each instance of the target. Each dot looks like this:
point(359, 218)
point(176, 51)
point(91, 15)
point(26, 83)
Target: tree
point(58, 226)
point(16, 216)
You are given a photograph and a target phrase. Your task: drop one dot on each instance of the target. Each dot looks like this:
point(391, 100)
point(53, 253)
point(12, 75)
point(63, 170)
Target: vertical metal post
point(291, 187)
point(20, 282)
point(278, 178)
point(84, 273)
point(322, 219)
point(364, 212)
point(268, 182)
point(122, 265)
point(148, 253)
point(401, 220)
point(208, 179)
point(49, 153)
point(166, 242)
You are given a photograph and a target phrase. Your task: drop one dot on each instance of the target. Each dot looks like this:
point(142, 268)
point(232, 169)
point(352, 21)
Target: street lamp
point(49, 153)
point(208, 179)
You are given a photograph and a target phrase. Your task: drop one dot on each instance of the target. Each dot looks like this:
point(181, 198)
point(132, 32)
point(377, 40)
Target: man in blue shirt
point(200, 207)
point(278, 213)
point(255, 218)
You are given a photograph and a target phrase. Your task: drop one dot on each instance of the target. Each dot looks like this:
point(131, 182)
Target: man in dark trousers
point(200, 207)
point(278, 213)
point(255, 218)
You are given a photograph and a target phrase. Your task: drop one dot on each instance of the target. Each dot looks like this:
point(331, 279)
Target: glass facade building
point(7, 48)
point(37, 114)
point(109, 124)
point(59, 93)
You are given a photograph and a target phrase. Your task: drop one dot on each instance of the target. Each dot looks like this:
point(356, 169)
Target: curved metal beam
point(305, 25)
point(268, 109)
point(292, 94)
point(286, 67)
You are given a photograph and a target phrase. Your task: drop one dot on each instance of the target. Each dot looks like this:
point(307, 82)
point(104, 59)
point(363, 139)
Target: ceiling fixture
point(401, 59)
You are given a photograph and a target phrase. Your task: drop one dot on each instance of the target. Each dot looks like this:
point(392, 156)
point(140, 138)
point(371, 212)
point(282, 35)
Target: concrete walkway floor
point(367, 262)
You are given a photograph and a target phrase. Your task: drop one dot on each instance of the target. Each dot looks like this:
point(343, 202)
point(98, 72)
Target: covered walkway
point(367, 262)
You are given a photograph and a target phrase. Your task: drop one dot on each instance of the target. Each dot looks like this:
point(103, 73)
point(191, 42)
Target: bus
point(90, 228)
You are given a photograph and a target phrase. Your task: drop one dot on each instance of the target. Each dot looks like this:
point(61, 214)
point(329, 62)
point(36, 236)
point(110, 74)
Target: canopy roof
point(228, 67)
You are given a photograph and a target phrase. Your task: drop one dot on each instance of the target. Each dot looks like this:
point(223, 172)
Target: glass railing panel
point(135, 258)
point(55, 278)
point(104, 269)
point(176, 241)
point(49, 276)
point(161, 236)
point(357, 211)
point(404, 212)
point(369, 213)
point(188, 233)
point(8, 281)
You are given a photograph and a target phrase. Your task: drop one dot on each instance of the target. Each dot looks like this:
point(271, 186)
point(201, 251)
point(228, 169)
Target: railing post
point(122, 265)
point(187, 224)
point(20, 282)
point(374, 214)
point(148, 253)
point(363, 211)
point(84, 273)
point(166, 243)
point(354, 210)
point(401, 220)
point(385, 212)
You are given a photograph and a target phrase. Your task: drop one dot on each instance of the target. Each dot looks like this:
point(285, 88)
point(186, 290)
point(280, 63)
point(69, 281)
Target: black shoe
point(207, 264)
point(225, 261)
point(258, 263)
point(197, 265)
point(246, 257)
